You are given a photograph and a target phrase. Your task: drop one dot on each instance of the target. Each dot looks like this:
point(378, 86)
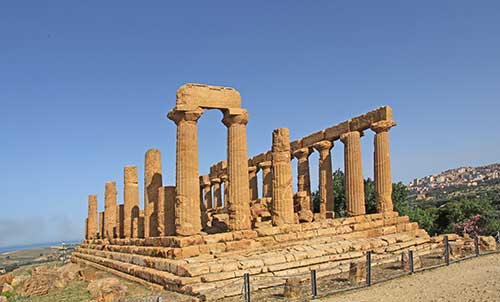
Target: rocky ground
point(477, 279)
point(55, 282)
point(471, 280)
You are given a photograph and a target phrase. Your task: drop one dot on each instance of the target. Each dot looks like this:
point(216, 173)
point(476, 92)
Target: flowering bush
point(470, 226)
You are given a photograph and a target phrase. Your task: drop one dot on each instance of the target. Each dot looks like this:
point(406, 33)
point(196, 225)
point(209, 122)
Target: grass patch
point(74, 292)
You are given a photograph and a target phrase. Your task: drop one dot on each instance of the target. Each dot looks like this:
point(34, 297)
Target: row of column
point(176, 210)
point(128, 220)
point(354, 180)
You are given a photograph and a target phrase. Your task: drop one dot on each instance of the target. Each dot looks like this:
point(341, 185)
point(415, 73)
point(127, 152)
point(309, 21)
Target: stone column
point(135, 227)
point(225, 181)
point(109, 209)
point(382, 166)
point(303, 175)
point(253, 186)
point(217, 201)
point(130, 199)
point(92, 225)
point(166, 211)
point(325, 179)
point(120, 216)
point(152, 181)
point(354, 182)
point(237, 169)
point(267, 180)
point(206, 185)
point(282, 203)
point(101, 225)
point(187, 200)
point(140, 224)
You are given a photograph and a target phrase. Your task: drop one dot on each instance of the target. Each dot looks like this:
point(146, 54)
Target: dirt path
point(471, 280)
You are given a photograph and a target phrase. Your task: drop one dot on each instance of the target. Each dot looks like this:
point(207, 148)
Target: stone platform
point(211, 266)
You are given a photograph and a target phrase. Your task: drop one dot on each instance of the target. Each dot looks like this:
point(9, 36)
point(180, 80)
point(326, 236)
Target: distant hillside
point(464, 180)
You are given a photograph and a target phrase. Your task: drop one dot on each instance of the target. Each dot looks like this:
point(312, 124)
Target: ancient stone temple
point(201, 235)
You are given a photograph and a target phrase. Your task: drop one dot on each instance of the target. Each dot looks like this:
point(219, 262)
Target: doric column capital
point(265, 165)
point(349, 135)
point(190, 116)
point(302, 153)
point(235, 116)
point(252, 169)
point(323, 147)
point(382, 126)
point(205, 181)
point(215, 180)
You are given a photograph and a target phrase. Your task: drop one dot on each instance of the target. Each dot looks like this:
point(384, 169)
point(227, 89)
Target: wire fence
point(374, 269)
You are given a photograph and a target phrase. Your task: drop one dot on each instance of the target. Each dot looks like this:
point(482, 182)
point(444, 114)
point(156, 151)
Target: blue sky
point(85, 87)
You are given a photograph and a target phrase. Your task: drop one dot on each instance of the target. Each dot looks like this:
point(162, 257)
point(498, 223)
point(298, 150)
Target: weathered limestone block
point(130, 198)
point(253, 185)
point(267, 180)
point(326, 207)
point(206, 96)
point(187, 201)
point(357, 272)
point(487, 243)
point(109, 209)
point(166, 211)
point(92, 222)
point(282, 203)
point(293, 288)
point(237, 169)
point(382, 165)
point(152, 181)
point(303, 200)
point(354, 182)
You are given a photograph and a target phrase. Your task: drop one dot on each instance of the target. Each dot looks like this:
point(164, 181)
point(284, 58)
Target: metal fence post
point(446, 251)
point(369, 268)
point(246, 286)
point(314, 287)
point(410, 260)
point(476, 245)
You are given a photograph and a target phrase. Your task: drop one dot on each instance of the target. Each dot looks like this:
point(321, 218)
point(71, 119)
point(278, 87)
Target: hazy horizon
point(85, 89)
